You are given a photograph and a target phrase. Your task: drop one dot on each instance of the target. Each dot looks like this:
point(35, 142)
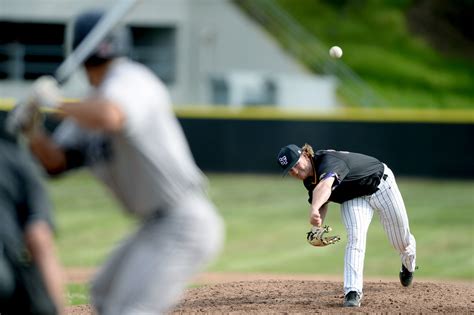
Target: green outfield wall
point(428, 143)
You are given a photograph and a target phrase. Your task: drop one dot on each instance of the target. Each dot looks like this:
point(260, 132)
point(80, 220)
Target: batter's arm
point(321, 194)
point(48, 153)
point(95, 113)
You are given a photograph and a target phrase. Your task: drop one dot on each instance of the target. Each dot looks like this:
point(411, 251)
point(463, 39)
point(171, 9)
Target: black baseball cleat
point(352, 299)
point(406, 277)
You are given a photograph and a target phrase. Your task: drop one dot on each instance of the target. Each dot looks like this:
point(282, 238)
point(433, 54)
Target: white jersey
point(147, 165)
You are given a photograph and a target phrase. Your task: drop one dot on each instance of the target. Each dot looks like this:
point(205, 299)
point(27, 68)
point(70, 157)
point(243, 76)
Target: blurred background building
point(206, 51)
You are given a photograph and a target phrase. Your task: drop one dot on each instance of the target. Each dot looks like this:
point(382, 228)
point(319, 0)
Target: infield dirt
point(291, 294)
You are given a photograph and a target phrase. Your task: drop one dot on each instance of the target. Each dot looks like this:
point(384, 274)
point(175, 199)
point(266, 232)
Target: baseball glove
point(316, 236)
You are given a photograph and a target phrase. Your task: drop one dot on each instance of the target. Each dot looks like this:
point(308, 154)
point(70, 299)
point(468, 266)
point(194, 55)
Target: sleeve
point(137, 95)
point(69, 138)
point(67, 134)
point(82, 147)
point(332, 166)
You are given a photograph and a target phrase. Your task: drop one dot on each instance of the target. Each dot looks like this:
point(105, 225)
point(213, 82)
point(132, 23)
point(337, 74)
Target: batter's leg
point(356, 215)
point(393, 215)
point(105, 279)
point(161, 258)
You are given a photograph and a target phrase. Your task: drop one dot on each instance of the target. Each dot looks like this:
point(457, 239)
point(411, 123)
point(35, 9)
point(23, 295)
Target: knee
point(355, 241)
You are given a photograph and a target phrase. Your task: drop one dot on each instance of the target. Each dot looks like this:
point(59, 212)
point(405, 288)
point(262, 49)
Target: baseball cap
point(288, 157)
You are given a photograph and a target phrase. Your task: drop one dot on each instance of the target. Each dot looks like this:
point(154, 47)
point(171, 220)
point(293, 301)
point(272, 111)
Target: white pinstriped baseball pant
point(357, 215)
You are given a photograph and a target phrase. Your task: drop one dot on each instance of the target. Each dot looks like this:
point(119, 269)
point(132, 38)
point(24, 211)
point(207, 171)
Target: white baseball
point(335, 52)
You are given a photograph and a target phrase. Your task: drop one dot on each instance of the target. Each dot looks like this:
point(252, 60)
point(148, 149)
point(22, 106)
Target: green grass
point(88, 221)
point(77, 294)
point(399, 65)
point(266, 218)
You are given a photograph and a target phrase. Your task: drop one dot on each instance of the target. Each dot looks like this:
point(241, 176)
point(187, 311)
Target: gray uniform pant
point(148, 272)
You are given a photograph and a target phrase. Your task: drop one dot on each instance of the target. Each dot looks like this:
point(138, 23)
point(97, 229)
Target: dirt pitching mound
point(238, 293)
point(300, 296)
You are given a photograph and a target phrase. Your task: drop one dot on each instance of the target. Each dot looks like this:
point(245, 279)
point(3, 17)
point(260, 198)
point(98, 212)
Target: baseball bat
point(91, 41)
point(80, 54)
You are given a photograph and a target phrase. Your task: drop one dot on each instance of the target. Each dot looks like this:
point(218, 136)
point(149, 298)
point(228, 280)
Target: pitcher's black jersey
point(355, 174)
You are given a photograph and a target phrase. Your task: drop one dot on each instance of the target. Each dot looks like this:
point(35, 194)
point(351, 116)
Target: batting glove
point(26, 116)
point(45, 92)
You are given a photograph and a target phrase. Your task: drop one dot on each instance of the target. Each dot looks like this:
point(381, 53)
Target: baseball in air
point(335, 52)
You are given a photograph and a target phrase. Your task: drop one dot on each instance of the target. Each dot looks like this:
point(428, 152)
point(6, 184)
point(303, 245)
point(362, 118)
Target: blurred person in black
point(30, 274)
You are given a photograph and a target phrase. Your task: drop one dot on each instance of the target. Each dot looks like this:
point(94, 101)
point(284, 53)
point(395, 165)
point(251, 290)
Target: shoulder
point(126, 68)
point(127, 78)
point(324, 156)
point(320, 154)
point(330, 160)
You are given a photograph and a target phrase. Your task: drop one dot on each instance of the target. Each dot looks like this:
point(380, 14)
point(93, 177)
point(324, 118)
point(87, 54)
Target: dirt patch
point(295, 296)
point(79, 310)
point(263, 294)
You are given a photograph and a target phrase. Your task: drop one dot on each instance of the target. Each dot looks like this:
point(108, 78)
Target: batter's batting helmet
point(117, 43)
